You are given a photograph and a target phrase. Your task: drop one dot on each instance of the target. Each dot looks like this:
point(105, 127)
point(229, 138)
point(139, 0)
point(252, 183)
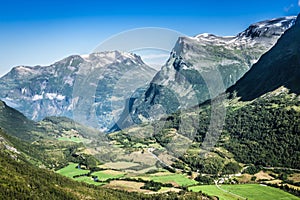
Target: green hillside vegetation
point(262, 132)
point(66, 129)
point(266, 132)
point(16, 123)
point(47, 143)
point(45, 152)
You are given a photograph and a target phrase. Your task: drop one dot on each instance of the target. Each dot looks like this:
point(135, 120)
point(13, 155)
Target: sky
point(36, 32)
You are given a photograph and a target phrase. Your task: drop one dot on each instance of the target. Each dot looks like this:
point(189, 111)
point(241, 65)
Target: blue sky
point(42, 32)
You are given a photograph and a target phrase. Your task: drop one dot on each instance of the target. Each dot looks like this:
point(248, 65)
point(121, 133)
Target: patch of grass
point(107, 174)
point(139, 145)
point(246, 191)
point(72, 139)
point(178, 179)
point(71, 170)
point(212, 190)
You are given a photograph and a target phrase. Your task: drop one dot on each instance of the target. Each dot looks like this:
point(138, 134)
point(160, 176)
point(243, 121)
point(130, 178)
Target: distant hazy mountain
point(279, 67)
point(89, 88)
point(202, 67)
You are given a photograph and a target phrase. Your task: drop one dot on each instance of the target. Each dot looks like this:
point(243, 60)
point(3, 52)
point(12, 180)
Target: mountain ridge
point(278, 67)
point(58, 89)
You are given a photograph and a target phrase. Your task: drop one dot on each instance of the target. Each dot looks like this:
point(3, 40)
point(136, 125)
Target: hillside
point(16, 123)
point(262, 132)
point(25, 164)
point(21, 180)
point(39, 142)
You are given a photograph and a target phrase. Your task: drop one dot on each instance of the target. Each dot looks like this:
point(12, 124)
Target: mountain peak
point(112, 56)
point(60, 88)
point(278, 67)
point(268, 28)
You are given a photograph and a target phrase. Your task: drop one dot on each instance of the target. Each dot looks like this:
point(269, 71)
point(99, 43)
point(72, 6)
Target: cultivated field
point(175, 179)
point(72, 139)
point(244, 191)
point(71, 170)
point(107, 174)
point(119, 165)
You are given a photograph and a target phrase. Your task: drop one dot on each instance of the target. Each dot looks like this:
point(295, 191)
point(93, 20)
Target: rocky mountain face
point(201, 67)
point(278, 67)
point(89, 88)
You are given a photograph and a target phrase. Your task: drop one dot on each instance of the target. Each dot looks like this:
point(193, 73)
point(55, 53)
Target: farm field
point(71, 170)
point(133, 186)
point(130, 186)
point(72, 139)
point(175, 179)
point(107, 174)
point(119, 165)
point(245, 191)
point(224, 192)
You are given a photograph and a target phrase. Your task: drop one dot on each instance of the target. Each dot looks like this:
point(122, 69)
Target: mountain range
point(202, 67)
point(87, 88)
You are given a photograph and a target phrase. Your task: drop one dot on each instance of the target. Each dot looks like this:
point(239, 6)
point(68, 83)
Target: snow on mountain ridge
point(264, 28)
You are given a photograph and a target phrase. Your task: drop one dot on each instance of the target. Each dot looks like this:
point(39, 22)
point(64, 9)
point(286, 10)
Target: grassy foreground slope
point(20, 180)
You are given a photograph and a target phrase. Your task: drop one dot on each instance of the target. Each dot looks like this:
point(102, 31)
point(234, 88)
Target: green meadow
point(245, 191)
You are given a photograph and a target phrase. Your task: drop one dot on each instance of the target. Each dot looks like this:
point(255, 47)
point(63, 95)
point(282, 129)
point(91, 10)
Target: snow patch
point(68, 80)
point(37, 97)
point(85, 57)
point(203, 35)
point(60, 97)
point(52, 96)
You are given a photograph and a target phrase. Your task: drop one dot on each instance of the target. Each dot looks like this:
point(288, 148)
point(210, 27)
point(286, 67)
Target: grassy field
point(176, 179)
point(72, 139)
point(107, 174)
point(88, 180)
point(245, 191)
point(71, 170)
